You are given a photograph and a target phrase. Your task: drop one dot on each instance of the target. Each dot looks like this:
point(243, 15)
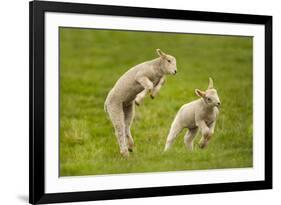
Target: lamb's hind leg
point(188, 138)
point(173, 133)
point(116, 114)
point(129, 116)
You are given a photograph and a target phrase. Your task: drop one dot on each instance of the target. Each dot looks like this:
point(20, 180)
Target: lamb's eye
point(169, 61)
point(209, 99)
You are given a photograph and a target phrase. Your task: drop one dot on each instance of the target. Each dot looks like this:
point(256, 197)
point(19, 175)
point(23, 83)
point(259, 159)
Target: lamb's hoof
point(137, 103)
point(152, 97)
point(124, 154)
point(130, 149)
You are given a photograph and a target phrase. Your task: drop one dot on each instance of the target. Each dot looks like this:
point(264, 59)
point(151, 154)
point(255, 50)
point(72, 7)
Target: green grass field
point(92, 60)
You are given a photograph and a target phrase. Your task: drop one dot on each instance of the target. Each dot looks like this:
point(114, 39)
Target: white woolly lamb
point(132, 87)
point(201, 113)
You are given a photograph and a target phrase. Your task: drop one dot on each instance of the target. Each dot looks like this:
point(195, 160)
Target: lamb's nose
point(175, 72)
point(218, 103)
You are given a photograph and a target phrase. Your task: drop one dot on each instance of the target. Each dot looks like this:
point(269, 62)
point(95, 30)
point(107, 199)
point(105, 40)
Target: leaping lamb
point(201, 113)
point(131, 88)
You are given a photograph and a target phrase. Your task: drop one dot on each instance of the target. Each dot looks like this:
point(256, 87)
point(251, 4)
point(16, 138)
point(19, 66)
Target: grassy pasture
point(92, 60)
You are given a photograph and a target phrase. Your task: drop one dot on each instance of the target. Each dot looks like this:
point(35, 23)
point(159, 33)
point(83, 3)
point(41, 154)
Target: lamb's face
point(211, 98)
point(168, 63)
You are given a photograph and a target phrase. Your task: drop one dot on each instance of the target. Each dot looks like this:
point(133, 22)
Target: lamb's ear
point(200, 93)
point(160, 53)
point(211, 84)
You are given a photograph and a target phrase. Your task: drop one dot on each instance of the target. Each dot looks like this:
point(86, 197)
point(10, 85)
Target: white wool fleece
point(131, 88)
point(198, 114)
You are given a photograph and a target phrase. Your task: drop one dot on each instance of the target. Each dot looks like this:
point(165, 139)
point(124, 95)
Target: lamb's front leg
point(140, 97)
point(207, 132)
point(147, 85)
point(156, 88)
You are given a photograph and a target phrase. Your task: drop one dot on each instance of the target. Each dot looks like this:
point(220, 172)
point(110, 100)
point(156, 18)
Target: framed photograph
point(130, 102)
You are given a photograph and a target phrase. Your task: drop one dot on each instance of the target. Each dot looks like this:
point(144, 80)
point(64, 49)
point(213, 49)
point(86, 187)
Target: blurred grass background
point(92, 60)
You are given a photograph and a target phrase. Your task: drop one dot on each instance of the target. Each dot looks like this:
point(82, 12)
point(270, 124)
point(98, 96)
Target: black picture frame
point(37, 11)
